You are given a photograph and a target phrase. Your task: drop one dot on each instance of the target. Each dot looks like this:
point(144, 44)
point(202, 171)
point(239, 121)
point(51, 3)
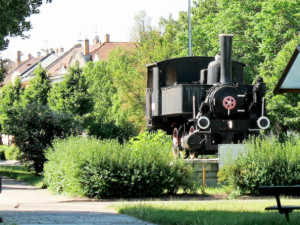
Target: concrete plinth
point(211, 170)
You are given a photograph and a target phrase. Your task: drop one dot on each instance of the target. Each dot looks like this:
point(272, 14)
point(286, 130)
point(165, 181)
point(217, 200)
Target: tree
point(107, 120)
point(3, 69)
point(128, 70)
point(262, 30)
point(14, 14)
point(10, 96)
point(34, 128)
point(130, 87)
point(38, 89)
point(71, 95)
point(141, 28)
point(284, 109)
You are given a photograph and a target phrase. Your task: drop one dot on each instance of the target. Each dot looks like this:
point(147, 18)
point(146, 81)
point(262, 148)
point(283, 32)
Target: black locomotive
point(203, 101)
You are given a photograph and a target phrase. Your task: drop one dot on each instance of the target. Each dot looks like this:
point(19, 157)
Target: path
point(21, 203)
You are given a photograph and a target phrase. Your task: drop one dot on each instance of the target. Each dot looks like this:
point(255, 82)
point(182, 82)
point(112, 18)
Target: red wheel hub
point(229, 102)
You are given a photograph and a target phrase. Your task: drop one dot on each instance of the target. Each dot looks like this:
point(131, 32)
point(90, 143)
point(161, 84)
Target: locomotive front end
point(203, 101)
point(231, 110)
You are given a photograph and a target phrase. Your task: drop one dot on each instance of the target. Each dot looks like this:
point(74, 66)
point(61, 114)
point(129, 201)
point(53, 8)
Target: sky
point(63, 22)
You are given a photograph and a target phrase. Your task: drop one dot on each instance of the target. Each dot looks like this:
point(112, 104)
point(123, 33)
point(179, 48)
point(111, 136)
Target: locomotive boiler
point(203, 101)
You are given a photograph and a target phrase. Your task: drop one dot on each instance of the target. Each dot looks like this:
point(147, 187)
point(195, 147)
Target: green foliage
point(107, 120)
point(10, 96)
point(2, 152)
point(141, 167)
point(14, 20)
point(23, 173)
point(130, 88)
point(266, 162)
point(38, 89)
point(128, 70)
point(260, 29)
point(10, 152)
point(34, 127)
point(3, 69)
point(284, 110)
point(70, 95)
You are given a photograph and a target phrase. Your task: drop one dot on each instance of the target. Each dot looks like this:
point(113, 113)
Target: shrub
point(34, 127)
point(2, 152)
point(94, 168)
point(266, 162)
point(10, 152)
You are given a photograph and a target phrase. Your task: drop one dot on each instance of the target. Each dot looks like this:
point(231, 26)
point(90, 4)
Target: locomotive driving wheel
point(177, 139)
point(192, 154)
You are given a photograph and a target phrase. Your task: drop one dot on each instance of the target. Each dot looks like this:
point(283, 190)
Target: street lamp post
point(190, 29)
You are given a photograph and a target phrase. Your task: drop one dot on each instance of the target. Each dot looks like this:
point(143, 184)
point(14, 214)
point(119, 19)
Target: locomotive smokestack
point(226, 51)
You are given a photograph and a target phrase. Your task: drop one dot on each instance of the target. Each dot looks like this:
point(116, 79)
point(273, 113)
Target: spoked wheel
point(192, 154)
point(177, 142)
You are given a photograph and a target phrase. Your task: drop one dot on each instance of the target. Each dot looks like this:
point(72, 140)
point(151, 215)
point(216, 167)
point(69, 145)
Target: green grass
point(223, 212)
point(208, 191)
point(22, 173)
point(223, 190)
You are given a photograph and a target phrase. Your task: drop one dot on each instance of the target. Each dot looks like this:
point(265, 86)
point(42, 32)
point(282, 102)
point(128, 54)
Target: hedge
point(142, 167)
point(266, 162)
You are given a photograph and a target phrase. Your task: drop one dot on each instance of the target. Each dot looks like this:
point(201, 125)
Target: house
point(102, 53)
point(98, 52)
point(57, 62)
point(19, 67)
point(59, 67)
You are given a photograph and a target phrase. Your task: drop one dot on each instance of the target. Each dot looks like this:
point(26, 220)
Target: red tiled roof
point(54, 68)
point(104, 50)
point(24, 66)
point(10, 68)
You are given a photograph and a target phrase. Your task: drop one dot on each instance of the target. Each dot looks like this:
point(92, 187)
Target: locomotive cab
point(203, 101)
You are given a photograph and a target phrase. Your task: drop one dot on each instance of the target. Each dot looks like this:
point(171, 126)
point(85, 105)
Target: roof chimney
point(86, 47)
point(38, 54)
point(96, 40)
point(106, 38)
point(29, 56)
point(18, 57)
point(47, 51)
point(56, 50)
point(61, 49)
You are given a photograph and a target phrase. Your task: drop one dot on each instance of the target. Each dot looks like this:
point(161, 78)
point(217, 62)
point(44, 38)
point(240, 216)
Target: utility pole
point(190, 29)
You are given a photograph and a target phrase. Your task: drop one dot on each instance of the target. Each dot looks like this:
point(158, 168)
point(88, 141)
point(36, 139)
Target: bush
point(94, 168)
point(9, 152)
point(2, 152)
point(266, 162)
point(35, 126)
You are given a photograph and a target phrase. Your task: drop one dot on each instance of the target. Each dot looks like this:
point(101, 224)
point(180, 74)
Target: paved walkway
point(21, 203)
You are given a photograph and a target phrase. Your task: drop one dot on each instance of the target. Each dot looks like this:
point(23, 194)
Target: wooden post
point(203, 178)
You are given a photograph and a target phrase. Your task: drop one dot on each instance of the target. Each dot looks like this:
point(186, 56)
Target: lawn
point(22, 173)
point(221, 212)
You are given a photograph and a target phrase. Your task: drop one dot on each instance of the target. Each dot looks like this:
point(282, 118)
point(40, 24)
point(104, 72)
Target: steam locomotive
point(203, 101)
